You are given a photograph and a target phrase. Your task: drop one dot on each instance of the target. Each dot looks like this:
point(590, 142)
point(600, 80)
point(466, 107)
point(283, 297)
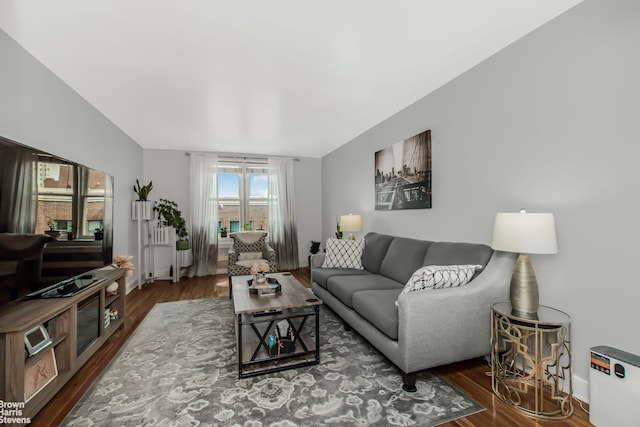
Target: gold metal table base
point(531, 361)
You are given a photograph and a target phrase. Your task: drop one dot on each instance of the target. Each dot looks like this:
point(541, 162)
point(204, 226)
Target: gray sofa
point(426, 328)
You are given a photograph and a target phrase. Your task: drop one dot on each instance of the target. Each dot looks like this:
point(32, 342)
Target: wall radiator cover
point(614, 388)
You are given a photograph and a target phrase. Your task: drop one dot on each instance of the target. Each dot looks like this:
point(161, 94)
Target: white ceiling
point(284, 77)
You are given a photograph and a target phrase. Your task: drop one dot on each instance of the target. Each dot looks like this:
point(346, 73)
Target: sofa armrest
point(232, 256)
point(317, 260)
point(269, 254)
point(435, 325)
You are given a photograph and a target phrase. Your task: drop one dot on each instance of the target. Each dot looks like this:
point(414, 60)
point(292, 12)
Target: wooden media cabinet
point(34, 379)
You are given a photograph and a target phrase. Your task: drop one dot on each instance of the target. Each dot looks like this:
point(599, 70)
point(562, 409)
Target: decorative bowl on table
point(271, 286)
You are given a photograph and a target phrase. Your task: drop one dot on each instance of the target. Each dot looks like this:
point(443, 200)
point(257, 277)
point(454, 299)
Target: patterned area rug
point(179, 368)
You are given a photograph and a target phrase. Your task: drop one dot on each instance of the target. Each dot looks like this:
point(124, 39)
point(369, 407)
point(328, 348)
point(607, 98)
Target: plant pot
point(98, 235)
point(182, 245)
point(142, 210)
point(53, 233)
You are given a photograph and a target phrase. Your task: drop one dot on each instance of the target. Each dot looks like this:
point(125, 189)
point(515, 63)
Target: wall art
point(403, 174)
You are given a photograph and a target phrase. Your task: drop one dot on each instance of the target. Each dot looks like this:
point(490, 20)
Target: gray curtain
point(283, 231)
point(82, 190)
point(107, 242)
point(204, 214)
point(18, 189)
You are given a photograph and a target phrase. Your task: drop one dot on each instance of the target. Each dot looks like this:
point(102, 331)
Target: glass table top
point(545, 315)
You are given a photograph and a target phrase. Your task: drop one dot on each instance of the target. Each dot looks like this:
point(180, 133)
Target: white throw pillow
point(242, 256)
point(344, 254)
point(440, 276)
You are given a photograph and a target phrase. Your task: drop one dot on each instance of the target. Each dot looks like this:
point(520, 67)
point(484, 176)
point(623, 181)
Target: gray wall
point(169, 171)
point(550, 124)
point(39, 110)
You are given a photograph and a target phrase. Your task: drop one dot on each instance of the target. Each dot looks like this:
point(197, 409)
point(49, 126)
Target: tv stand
point(60, 317)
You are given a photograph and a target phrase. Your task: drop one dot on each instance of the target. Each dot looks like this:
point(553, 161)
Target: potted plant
point(315, 248)
point(143, 190)
point(99, 233)
point(169, 215)
point(223, 232)
point(141, 208)
point(51, 225)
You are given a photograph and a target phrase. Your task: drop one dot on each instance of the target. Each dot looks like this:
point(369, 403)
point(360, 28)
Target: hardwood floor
point(469, 376)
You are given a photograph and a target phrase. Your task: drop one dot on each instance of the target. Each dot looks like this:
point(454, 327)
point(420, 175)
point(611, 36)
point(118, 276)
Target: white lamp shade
point(350, 223)
point(525, 233)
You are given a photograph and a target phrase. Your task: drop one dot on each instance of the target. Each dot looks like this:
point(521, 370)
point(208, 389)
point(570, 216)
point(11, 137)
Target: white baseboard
point(581, 389)
point(131, 284)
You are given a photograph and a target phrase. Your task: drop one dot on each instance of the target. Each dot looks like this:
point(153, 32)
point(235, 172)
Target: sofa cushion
point(248, 263)
point(375, 248)
point(321, 275)
point(450, 253)
point(379, 309)
point(404, 256)
point(343, 287)
point(248, 241)
point(344, 254)
point(440, 276)
point(242, 256)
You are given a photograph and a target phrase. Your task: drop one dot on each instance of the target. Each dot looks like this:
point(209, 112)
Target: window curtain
point(18, 190)
point(81, 191)
point(107, 243)
point(283, 232)
point(204, 214)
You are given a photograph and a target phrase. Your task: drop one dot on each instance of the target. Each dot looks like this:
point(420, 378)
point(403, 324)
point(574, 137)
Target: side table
point(531, 360)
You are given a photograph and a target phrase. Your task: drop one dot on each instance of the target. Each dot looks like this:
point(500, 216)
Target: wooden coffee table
point(256, 317)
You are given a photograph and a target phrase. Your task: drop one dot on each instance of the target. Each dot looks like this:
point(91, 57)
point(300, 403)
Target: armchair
point(249, 247)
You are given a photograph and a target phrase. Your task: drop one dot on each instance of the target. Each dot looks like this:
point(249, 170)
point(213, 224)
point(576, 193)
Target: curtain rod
point(241, 157)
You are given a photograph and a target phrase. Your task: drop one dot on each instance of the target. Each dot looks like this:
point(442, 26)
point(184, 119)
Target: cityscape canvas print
point(403, 174)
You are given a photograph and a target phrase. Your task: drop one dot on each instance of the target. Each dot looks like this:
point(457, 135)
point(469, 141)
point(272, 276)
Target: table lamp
point(351, 223)
point(524, 233)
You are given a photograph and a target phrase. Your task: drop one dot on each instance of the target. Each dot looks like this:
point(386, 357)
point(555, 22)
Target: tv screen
point(41, 193)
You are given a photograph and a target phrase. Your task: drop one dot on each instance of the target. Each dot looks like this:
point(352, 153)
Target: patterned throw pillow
point(344, 254)
point(440, 276)
point(243, 256)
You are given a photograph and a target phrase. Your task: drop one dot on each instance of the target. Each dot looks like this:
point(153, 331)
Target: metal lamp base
point(524, 289)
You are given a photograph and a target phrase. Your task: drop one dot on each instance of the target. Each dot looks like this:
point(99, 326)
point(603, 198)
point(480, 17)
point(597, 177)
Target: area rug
point(179, 368)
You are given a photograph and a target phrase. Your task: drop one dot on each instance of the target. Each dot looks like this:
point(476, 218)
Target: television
point(41, 193)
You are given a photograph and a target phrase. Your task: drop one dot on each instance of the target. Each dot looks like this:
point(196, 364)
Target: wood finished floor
point(469, 376)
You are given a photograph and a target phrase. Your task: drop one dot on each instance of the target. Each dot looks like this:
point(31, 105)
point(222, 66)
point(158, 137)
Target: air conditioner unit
point(614, 388)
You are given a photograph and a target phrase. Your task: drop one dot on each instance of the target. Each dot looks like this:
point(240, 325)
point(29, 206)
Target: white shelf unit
point(142, 213)
point(152, 241)
point(164, 239)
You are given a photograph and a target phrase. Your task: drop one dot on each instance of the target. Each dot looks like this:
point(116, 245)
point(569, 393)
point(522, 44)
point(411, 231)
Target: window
point(91, 201)
point(78, 212)
point(242, 197)
point(55, 196)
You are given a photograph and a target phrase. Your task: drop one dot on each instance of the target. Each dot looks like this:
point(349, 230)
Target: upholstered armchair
point(249, 247)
